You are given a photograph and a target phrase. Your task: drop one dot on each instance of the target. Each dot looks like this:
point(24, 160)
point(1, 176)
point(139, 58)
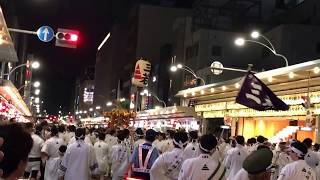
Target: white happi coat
point(53, 165)
point(168, 165)
point(35, 153)
point(202, 167)
point(111, 140)
point(297, 170)
point(166, 145)
point(191, 151)
point(51, 148)
point(280, 159)
point(78, 161)
point(241, 175)
point(102, 150)
point(119, 159)
point(234, 160)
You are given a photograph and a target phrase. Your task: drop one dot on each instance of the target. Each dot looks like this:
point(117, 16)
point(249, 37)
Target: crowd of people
point(52, 152)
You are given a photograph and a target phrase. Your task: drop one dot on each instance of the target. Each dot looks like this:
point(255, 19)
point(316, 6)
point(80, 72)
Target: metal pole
point(22, 31)
point(232, 69)
point(2, 69)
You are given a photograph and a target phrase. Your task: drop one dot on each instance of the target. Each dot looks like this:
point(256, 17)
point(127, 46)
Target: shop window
point(216, 50)
point(192, 51)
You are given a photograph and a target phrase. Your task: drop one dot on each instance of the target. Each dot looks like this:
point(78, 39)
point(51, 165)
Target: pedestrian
point(139, 137)
point(256, 166)
point(34, 158)
point(119, 157)
point(235, 158)
point(167, 145)
point(144, 156)
point(102, 150)
point(192, 150)
point(54, 163)
point(298, 169)
point(281, 158)
point(203, 167)
point(79, 162)
point(16, 144)
point(50, 149)
point(168, 165)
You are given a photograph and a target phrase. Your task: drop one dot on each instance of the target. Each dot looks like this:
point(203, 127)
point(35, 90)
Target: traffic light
point(67, 38)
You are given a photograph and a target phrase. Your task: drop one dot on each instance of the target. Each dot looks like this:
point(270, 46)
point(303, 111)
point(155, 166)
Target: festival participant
point(119, 157)
point(34, 158)
point(102, 150)
point(79, 162)
point(235, 159)
point(50, 150)
point(54, 163)
point(203, 167)
point(191, 150)
point(168, 164)
point(139, 137)
point(298, 169)
point(256, 166)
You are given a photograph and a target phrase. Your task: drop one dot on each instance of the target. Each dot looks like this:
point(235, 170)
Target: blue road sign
point(45, 33)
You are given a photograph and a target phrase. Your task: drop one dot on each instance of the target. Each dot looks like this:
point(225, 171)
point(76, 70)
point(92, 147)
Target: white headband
point(180, 144)
point(205, 150)
point(297, 151)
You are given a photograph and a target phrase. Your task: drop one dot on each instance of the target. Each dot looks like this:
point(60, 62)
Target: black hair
point(180, 136)
point(263, 147)
point(63, 148)
point(151, 135)
point(253, 140)
point(72, 128)
point(112, 131)
point(301, 147)
point(261, 139)
point(307, 142)
point(102, 136)
point(80, 133)
point(61, 128)
point(16, 147)
point(208, 142)
point(126, 133)
point(193, 135)
point(316, 147)
point(121, 135)
point(28, 125)
point(54, 130)
point(44, 123)
point(171, 133)
point(38, 130)
point(240, 140)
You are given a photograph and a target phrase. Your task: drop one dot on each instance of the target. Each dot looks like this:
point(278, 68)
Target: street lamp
point(37, 92)
point(147, 93)
point(255, 35)
point(174, 68)
point(109, 104)
point(36, 84)
point(34, 65)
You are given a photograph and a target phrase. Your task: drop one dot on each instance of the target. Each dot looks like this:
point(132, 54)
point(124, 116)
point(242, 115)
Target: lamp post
point(147, 93)
point(255, 35)
point(174, 68)
point(34, 65)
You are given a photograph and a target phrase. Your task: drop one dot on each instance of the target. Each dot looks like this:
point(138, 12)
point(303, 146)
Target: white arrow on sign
point(45, 32)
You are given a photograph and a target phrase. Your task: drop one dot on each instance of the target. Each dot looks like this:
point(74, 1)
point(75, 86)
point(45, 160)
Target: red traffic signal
point(67, 38)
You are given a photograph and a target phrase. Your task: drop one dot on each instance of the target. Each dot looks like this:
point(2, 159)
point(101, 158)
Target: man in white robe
point(191, 149)
point(203, 167)
point(102, 150)
point(79, 161)
point(298, 169)
point(236, 157)
point(50, 150)
point(168, 165)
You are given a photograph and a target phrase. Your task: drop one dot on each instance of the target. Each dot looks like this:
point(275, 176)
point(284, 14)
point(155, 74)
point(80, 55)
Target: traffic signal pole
point(22, 31)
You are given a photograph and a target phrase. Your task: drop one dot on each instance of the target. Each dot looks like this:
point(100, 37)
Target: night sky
point(61, 66)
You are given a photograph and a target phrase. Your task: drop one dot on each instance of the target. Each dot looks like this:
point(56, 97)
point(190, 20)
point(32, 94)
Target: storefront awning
point(166, 113)
point(12, 95)
point(291, 84)
point(282, 81)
